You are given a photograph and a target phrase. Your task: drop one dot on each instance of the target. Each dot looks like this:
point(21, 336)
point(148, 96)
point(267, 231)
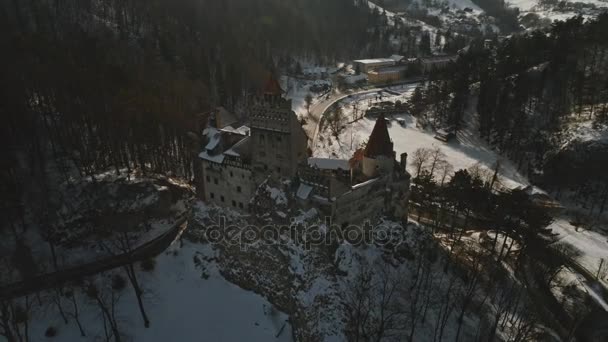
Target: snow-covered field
point(184, 302)
point(592, 245)
point(464, 153)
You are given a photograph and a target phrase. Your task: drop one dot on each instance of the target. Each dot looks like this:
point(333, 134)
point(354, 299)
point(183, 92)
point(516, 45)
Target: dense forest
point(97, 84)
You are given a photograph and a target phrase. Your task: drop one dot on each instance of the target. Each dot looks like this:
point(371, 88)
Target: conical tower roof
point(379, 143)
point(272, 86)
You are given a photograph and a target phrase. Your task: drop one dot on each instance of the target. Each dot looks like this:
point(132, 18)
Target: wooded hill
point(93, 84)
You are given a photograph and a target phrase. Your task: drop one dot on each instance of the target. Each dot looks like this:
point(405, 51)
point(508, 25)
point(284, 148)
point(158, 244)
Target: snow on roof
point(368, 182)
point(375, 61)
point(213, 142)
point(232, 153)
point(329, 164)
point(214, 138)
point(243, 130)
point(235, 151)
point(216, 159)
point(396, 58)
point(304, 191)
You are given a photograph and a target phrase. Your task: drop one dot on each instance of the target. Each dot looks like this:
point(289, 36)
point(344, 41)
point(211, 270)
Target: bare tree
point(371, 302)
point(336, 121)
point(436, 158)
point(71, 294)
point(308, 99)
point(123, 244)
point(357, 305)
point(106, 298)
point(420, 158)
point(14, 319)
point(445, 169)
point(602, 269)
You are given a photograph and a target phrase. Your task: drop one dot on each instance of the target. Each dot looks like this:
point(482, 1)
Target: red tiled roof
point(272, 86)
point(379, 143)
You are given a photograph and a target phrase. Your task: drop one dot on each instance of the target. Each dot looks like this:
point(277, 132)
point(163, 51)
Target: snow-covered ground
point(593, 245)
point(184, 301)
point(459, 4)
point(464, 153)
point(298, 89)
point(584, 131)
point(527, 5)
point(145, 206)
point(553, 12)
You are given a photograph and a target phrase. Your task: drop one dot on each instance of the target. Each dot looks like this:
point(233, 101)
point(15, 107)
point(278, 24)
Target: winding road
point(318, 109)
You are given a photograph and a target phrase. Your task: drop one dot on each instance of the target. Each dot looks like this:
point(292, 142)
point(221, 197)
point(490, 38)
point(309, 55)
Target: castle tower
point(378, 157)
point(279, 141)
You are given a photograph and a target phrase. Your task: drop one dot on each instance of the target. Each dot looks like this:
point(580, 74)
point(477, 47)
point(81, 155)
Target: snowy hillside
point(527, 5)
point(458, 4)
point(185, 301)
point(554, 10)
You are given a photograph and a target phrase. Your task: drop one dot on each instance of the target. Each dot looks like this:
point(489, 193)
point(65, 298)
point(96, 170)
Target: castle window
point(262, 138)
point(208, 179)
point(265, 167)
point(222, 199)
point(238, 189)
point(279, 138)
point(234, 204)
point(212, 195)
point(215, 181)
point(231, 174)
point(241, 205)
point(278, 169)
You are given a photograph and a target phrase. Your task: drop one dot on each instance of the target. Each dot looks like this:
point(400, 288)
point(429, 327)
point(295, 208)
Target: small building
point(367, 65)
point(429, 64)
point(387, 75)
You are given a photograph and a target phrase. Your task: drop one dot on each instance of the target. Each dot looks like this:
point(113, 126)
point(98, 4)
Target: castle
point(237, 159)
